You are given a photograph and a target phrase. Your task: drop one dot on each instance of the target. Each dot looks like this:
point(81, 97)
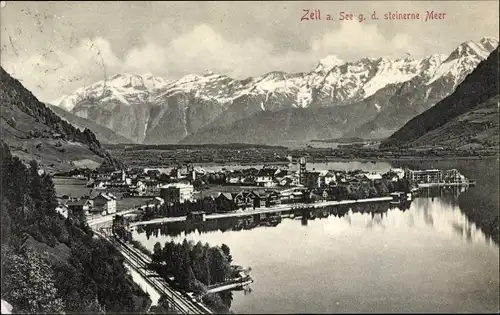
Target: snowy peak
point(146, 107)
point(464, 59)
point(481, 48)
point(328, 63)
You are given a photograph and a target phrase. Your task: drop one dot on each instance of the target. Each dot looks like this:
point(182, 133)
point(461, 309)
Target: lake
point(430, 257)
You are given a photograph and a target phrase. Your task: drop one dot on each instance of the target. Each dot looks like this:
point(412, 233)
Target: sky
point(54, 48)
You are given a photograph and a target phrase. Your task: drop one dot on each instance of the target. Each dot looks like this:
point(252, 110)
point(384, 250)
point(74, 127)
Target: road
point(109, 217)
point(261, 210)
point(139, 261)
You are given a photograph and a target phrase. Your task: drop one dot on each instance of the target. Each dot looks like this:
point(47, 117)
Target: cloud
point(355, 40)
point(195, 50)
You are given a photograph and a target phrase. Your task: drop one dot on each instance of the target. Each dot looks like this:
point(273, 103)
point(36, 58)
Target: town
point(187, 189)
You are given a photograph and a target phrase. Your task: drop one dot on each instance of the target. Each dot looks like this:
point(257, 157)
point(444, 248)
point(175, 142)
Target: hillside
point(467, 118)
point(277, 127)
point(103, 134)
point(52, 264)
point(33, 131)
point(155, 110)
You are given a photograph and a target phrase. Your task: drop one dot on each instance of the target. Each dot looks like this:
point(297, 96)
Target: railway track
point(139, 261)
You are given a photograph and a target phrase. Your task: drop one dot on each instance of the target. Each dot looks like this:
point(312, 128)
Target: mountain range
point(467, 119)
point(367, 98)
point(33, 131)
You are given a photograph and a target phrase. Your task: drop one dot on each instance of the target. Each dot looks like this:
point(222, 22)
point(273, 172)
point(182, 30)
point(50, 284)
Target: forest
point(52, 264)
point(195, 267)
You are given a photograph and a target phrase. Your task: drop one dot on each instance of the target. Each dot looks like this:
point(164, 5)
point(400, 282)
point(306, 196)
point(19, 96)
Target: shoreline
point(332, 159)
point(280, 208)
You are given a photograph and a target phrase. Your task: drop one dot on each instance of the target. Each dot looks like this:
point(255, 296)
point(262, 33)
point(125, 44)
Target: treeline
point(177, 209)
point(82, 274)
point(133, 147)
point(13, 93)
point(370, 189)
point(195, 267)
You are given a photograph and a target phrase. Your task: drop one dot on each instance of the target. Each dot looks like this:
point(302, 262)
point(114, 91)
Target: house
point(280, 173)
point(177, 192)
point(286, 181)
point(311, 179)
point(264, 175)
point(62, 210)
point(79, 207)
point(272, 183)
point(258, 198)
point(225, 202)
point(248, 179)
point(118, 176)
point(264, 198)
point(400, 173)
point(325, 178)
point(105, 203)
point(372, 177)
point(242, 199)
point(155, 202)
point(233, 178)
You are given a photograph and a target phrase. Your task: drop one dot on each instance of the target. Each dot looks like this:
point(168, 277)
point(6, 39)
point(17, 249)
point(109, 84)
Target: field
point(150, 156)
point(71, 187)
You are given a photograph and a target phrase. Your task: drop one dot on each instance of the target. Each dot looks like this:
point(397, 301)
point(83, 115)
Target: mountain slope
point(148, 109)
point(103, 134)
point(466, 117)
point(419, 94)
point(33, 131)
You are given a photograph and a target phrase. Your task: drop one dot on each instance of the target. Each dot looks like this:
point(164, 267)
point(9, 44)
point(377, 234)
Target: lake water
point(430, 257)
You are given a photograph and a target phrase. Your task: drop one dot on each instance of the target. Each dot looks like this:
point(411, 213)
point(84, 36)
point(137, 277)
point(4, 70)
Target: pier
point(283, 209)
point(447, 184)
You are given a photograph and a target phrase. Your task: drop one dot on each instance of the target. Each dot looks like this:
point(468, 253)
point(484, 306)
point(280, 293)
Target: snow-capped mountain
point(150, 109)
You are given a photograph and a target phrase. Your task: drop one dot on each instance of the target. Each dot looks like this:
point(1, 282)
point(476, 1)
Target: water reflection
point(435, 208)
point(427, 256)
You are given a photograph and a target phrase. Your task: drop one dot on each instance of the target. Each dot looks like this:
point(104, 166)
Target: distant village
point(186, 188)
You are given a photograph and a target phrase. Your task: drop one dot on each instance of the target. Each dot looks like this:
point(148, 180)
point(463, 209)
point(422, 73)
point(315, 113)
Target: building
point(62, 210)
point(425, 176)
point(325, 178)
point(155, 202)
point(302, 170)
point(454, 176)
point(79, 207)
point(264, 176)
point(372, 177)
point(177, 192)
point(225, 202)
point(104, 203)
point(400, 173)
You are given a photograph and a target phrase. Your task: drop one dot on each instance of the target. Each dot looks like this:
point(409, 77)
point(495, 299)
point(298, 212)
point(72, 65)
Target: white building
point(399, 171)
point(177, 192)
point(62, 210)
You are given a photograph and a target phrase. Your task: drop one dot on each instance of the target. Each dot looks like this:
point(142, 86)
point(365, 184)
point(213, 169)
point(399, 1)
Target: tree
point(227, 252)
point(48, 194)
point(29, 284)
point(157, 251)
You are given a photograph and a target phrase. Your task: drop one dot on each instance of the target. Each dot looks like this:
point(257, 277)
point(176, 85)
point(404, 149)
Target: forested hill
point(32, 130)
point(51, 264)
point(476, 92)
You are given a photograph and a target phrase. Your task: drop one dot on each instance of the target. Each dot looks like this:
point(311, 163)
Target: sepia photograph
point(249, 157)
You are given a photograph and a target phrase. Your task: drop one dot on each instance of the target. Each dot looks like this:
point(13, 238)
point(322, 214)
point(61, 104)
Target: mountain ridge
point(170, 111)
point(468, 113)
point(33, 131)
